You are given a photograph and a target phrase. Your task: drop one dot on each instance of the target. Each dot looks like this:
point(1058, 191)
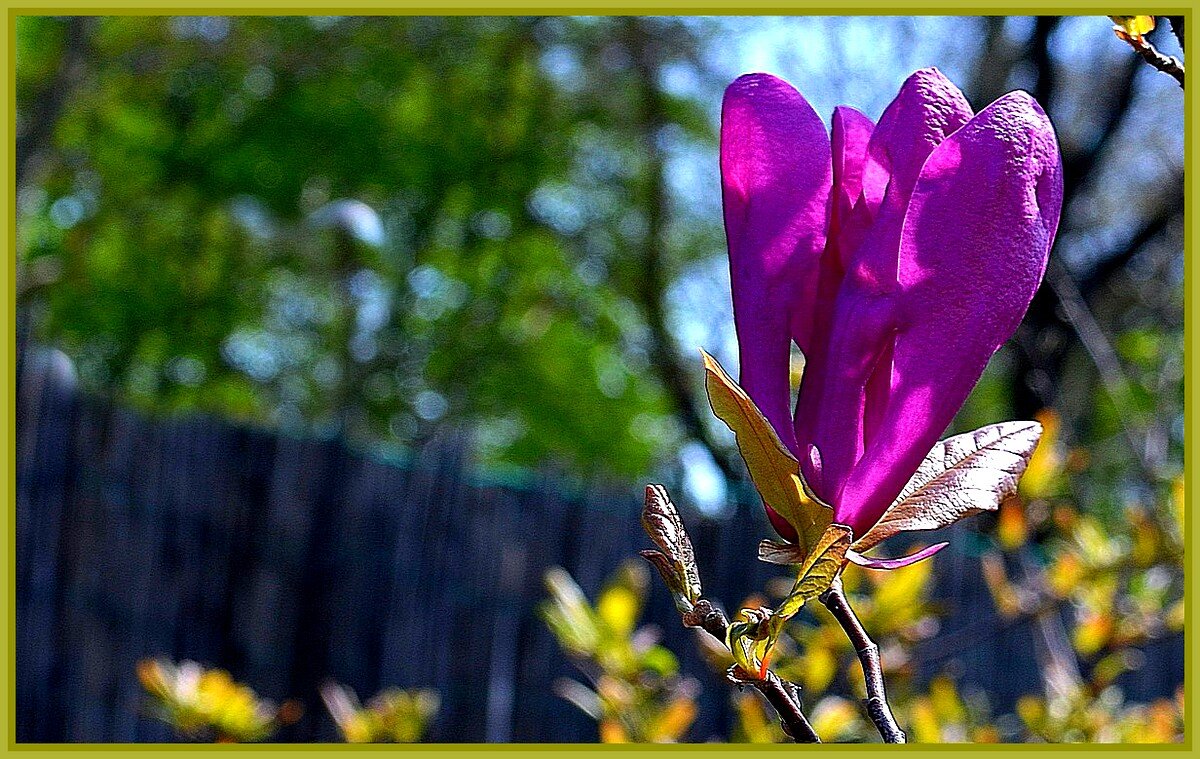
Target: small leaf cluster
point(1118, 580)
point(395, 715)
point(634, 690)
point(209, 705)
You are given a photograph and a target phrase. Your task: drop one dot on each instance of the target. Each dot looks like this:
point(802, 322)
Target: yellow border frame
point(558, 7)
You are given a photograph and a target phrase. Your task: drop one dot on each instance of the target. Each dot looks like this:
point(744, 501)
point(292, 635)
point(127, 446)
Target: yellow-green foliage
point(393, 716)
point(635, 693)
point(1121, 581)
point(207, 704)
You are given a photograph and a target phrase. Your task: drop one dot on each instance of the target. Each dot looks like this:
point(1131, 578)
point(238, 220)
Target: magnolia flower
point(898, 256)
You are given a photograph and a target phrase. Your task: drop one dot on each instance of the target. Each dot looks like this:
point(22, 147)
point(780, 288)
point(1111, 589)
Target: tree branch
point(781, 695)
point(668, 364)
point(1038, 365)
point(46, 108)
point(868, 654)
point(676, 564)
point(1108, 365)
point(1150, 229)
point(1168, 64)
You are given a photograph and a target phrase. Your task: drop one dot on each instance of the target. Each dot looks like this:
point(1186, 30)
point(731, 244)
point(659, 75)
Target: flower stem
point(868, 654)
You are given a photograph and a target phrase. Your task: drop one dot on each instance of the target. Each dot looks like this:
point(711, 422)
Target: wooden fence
point(291, 561)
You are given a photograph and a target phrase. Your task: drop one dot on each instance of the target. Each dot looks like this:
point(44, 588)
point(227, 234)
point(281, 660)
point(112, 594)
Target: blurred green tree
point(376, 226)
point(386, 226)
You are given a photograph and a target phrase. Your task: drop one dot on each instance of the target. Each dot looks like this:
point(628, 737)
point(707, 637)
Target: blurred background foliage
point(208, 705)
point(636, 693)
point(1122, 588)
point(387, 228)
point(395, 715)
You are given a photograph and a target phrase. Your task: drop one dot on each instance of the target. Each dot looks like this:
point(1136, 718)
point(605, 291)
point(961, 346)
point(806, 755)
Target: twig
point(868, 654)
point(1168, 64)
point(676, 564)
point(1103, 356)
point(782, 696)
point(1177, 27)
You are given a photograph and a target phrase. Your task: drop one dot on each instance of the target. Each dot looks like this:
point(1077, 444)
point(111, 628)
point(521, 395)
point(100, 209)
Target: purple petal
point(973, 251)
point(847, 401)
point(850, 135)
point(927, 110)
point(776, 176)
point(903, 561)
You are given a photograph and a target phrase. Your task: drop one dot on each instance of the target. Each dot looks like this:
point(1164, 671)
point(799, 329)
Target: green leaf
point(818, 571)
point(568, 613)
point(773, 469)
point(749, 639)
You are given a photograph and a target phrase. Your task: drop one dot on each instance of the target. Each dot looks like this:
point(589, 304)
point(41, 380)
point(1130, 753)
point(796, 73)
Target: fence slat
point(291, 562)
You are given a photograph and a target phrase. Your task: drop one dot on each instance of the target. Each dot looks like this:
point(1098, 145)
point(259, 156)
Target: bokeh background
point(336, 333)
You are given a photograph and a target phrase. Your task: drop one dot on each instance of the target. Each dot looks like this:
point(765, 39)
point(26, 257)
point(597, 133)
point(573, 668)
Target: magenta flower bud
point(899, 257)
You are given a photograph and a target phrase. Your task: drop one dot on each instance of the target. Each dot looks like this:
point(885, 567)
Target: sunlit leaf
point(786, 554)
point(612, 732)
point(756, 726)
point(1134, 26)
point(747, 638)
point(1011, 527)
point(1109, 668)
point(674, 720)
point(1065, 573)
point(568, 614)
point(1003, 593)
point(1092, 633)
point(947, 704)
point(834, 719)
point(620, 601)
point(1043, 474)
point(1032, 711)
point(660, 661)
point(820, 667)
point(818, 571)
point(1175, 616)
point(897, 595)
point(773, 469)
point(923, 722)
point(962, 475)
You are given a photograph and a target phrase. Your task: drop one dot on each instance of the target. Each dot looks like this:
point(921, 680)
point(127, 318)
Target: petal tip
point(757, 81)
point(889, 564)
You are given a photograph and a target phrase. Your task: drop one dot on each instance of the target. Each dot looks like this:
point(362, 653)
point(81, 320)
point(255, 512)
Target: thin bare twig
point(781, 695)
point(676, 564)
point(868, 654)
point(1103, 355)
point(1168, 64)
